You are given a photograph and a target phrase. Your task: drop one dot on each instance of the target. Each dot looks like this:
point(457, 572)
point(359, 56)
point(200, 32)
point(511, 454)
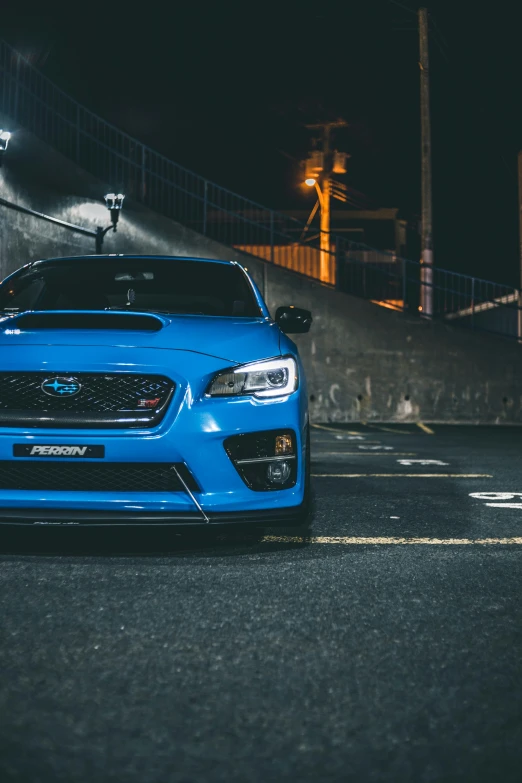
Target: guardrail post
point(205, 201)
point(143, 175)
point(404, 291)
point(472, 302)
point(519, 314)
point(78, 133)
point(337, 269)
point(17, 86)
point(272, 236)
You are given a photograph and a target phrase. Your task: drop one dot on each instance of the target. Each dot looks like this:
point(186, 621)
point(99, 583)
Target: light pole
point(325, 164)
point(324, 204)
point(4, 141)
point(98, 233)
point(520, 243)
point(114, 203)
point(426, 196)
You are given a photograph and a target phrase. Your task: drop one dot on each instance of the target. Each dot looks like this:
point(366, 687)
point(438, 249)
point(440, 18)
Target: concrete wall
point(363, 362)
point(367, 363)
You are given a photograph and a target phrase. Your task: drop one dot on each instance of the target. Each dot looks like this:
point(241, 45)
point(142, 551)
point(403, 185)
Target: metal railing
point(124, 163)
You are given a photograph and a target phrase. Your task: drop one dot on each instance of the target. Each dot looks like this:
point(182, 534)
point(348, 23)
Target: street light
point(313, 183)
point(4, 141)
point(114, 203)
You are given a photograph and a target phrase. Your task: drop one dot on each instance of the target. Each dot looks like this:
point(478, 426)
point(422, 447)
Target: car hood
point(237, 340)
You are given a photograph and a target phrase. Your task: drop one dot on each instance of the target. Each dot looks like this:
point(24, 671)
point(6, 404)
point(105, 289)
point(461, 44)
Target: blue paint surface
point(190, 350)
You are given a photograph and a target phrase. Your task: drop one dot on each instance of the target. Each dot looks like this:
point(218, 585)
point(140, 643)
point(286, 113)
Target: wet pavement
point(386, 646)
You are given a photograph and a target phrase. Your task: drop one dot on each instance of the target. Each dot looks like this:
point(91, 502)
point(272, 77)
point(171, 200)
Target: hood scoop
point(74, 320)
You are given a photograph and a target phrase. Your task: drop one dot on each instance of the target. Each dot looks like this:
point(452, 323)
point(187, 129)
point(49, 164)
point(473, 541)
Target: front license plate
point(55, 450)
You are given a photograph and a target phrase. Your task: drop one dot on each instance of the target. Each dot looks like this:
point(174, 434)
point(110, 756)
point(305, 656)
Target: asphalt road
point(388, 647)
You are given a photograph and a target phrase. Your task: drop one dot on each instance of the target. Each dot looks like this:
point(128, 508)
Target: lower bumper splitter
point(75, 517)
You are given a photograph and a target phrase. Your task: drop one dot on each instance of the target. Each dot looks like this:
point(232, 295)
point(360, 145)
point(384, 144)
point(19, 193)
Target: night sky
point(226, 89)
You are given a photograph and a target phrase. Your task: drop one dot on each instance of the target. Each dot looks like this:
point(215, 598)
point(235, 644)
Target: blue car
point(149, 390)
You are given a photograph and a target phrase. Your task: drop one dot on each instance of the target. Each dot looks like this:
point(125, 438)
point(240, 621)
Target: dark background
point(226, 88)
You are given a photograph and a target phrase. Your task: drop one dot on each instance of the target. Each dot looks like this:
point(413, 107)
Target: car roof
point(140, 256)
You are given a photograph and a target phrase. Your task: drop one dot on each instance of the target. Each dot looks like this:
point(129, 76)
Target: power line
point(439, 39)
point(445, 51)
point(404, 7)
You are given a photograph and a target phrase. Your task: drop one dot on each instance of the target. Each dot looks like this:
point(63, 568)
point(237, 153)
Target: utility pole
point(426, 206)
point(325, 206)
point(326, 192)
point(520, 243)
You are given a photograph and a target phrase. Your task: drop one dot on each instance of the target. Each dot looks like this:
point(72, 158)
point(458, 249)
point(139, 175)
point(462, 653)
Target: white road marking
point(421, 462)
point(376, 448)
point(498, 496)
point(383, 540)
point(495, 495)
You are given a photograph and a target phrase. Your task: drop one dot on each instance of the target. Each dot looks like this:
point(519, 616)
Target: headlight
point(272, 378)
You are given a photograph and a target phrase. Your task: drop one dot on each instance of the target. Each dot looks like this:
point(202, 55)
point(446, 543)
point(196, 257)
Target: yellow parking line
point(362, 438)
point(359, 540)
point(385, 429)
point(402, 475)
point(425, 428)
point(335, 429)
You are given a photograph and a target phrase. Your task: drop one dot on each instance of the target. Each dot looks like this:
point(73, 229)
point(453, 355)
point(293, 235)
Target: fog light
point(278, 472)
point(283, 444)
point(266, 461)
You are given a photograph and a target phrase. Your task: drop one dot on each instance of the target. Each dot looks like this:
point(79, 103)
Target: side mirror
point(293, 320)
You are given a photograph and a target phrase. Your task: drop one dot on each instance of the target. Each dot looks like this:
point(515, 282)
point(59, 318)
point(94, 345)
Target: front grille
point(95, 476)
point(104, 400)
point(99, 393)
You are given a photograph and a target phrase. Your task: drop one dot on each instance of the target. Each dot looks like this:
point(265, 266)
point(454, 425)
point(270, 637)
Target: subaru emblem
point(61, 387)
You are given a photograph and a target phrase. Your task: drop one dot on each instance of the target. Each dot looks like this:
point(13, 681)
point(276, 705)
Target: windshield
point(166, 285)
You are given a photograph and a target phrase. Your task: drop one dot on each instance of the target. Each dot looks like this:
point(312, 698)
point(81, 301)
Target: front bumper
point(192, 432)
